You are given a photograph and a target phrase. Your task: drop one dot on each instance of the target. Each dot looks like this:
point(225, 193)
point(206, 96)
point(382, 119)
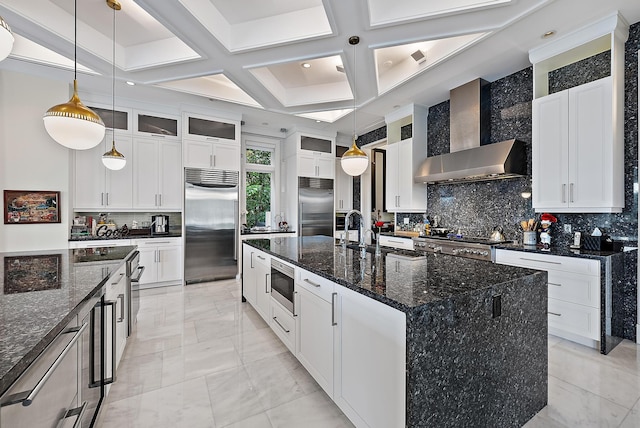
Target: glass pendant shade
point(354, 161)
point(6, 39)
point(74, 125)
point(113, 159)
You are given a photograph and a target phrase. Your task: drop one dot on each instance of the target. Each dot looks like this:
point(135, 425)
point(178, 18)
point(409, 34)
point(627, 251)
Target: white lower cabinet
point(162, 259)
point(283, 325)
point(256, 280)
point(315, 310)
point(396, 242)
point(574, 304)
point(116, 315)
point(369, 357)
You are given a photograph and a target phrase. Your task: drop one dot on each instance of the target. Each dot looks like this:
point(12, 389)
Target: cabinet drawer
point(574, 288)
point(548, 262)
point(573, 318)
point(156, 242)
point(395, 242)
point(283, 325)
point(315, 284)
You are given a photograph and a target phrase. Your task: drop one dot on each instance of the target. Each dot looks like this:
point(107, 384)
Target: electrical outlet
point(567, 228)
point(406, 220)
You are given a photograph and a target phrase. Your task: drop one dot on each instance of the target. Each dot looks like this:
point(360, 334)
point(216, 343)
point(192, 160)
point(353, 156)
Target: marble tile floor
point(201, 358)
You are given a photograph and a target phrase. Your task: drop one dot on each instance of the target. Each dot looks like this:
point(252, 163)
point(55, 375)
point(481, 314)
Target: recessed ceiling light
point(419, 56)
point(265, 123)
point(318, 121)
point(548, 34)
point(305, 65)
point(388, 63)
point(130, 83)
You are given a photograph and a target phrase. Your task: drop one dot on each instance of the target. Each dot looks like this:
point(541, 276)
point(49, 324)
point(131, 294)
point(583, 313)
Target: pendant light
point(113, 159)
point(6, 39)
point(72, 124)
point(354, 161)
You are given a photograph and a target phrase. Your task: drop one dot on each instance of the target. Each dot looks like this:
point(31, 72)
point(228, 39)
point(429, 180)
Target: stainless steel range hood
point(471, 158)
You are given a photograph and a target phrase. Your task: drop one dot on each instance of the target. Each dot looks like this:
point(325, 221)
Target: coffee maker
point(159, 224)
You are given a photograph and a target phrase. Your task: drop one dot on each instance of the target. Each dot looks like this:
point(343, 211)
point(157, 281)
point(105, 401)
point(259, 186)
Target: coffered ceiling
point(282, 63)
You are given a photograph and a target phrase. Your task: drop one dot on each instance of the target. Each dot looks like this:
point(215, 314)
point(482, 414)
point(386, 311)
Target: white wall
point(30, 159)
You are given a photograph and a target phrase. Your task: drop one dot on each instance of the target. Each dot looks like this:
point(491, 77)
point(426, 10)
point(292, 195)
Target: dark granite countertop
point(266, 232)
point(40, 293)
point(560, 251)
point(393, 278)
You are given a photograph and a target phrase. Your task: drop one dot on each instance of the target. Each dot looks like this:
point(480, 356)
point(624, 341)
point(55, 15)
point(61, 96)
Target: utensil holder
point(529, 238)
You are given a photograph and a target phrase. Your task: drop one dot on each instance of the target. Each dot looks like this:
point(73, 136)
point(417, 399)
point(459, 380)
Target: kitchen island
point(41, 293)
point(475, 332)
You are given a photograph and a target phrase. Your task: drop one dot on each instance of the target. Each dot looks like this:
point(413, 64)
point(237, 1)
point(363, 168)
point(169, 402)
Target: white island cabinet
point(256, 280)
point(352, 345)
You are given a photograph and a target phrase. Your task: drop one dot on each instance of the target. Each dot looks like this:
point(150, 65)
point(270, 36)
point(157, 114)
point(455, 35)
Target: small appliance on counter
point(159, 224)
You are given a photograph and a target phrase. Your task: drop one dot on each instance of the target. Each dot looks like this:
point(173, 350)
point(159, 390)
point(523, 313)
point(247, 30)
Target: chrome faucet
point(346, 229)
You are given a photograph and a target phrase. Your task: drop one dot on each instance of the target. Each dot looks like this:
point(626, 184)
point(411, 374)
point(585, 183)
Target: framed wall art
point(31, 206)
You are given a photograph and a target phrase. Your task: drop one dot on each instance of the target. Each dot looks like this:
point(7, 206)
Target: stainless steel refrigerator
point(315, 206)
point(211, 225)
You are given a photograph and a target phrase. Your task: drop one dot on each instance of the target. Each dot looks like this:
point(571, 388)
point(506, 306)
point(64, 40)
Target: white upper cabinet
point(156, 125)
point(211, 143)
point(343, 189)
point(406, 149)
point(578, 143)
point(576, 162)
point(96, 187)
point(316, 156)
point(157, 178)
point(117, 119)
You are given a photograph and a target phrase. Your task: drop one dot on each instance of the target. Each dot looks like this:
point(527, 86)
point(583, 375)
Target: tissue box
point(595, 243)
point(601, 243)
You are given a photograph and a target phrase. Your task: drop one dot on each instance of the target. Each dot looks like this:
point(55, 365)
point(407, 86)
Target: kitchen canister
point(529, 238)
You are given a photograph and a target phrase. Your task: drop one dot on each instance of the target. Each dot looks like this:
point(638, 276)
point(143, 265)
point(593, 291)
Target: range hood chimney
point(471, 157)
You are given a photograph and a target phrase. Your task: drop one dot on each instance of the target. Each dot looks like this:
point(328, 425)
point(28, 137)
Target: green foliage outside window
point(260, 157)
point(258, 196)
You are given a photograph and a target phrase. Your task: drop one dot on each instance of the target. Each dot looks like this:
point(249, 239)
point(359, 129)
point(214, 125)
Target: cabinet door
point(325, 166)
point(405, 174)
point(119, 184)
point(198, 154)
point(169, 262)
point(590, 142)
point(307, 166)
point(90, 177)
point(369, 335)
point(343, 189)
point(315, 337)
point(148, 259)
point(249, 275)
point(391, 187)
point(549, 152)
point(226, 156)
point(170, 175)
point(145, 178)
point(263, 285)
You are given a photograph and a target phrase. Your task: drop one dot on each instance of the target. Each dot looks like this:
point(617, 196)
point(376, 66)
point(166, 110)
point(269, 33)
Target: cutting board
point(408, 234)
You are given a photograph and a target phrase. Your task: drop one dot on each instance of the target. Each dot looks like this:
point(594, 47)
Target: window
point(259, 184)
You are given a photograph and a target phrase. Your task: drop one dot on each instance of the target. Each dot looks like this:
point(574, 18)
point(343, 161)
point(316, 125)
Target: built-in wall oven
point(282, 280)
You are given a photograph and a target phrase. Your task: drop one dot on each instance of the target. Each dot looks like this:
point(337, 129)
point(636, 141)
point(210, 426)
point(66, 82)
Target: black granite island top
point(476, 332)
point(40, 292)
point(431, 277)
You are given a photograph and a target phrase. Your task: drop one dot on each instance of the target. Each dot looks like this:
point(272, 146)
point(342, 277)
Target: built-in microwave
point(282, 280)
point(340, 217)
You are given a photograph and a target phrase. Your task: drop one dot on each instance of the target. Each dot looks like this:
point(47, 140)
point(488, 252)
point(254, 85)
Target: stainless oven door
point(282, 280)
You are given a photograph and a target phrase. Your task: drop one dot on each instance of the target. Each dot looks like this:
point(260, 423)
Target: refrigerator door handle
point(300, 217)
point(236, 209)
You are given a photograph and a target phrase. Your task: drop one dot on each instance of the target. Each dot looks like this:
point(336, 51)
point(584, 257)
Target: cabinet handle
point(214, 160)
point(261, 258)
point(311, 282)
point(555, 314)
point(159, 242)
point(160, 199)
point(102, 198)
point(564, 193)
point(158, 251)
point(212, 139)
point(18, 398)
point(334, 297)
point(571, 192)
point(113, 305)
point(119, 278)
point(252, 260)
point(210, 160)
point(553, 283)
point(266, 283)
point(121, 298)
point(541, 261)
point(155, 200)
point(77, 413)
point(281, 326)
point(158, 135)
point(107, 197)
